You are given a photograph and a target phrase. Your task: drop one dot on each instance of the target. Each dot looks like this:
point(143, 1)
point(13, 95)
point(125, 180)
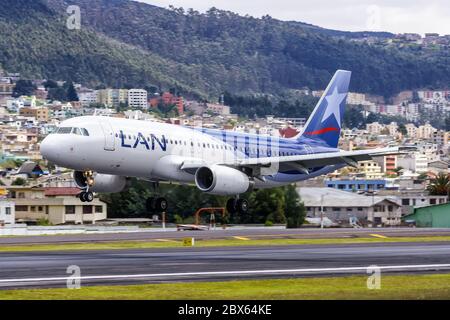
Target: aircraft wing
point(303, 162)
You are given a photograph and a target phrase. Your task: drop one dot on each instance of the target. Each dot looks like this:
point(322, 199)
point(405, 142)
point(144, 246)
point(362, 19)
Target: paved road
point(252, 233)
point(46, 269)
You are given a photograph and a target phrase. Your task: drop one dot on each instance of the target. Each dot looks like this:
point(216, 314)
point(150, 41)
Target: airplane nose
point(49, 148)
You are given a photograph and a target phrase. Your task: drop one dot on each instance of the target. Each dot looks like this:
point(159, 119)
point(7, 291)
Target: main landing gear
point(235, 205)
point(156, 204)
point(86, 195)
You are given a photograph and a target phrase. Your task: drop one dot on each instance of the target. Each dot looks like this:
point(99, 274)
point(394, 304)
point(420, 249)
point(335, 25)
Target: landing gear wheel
point(89, 196)
point(161, 204)
point(231, 206)
point(150, 204)
point(242, 206)
point(86, 196)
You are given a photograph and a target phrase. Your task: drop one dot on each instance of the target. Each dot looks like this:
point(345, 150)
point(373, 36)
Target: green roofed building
point(437, 216)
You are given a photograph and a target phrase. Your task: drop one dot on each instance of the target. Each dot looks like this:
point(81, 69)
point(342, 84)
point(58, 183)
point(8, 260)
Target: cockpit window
point(64, 130)
point(73, 130)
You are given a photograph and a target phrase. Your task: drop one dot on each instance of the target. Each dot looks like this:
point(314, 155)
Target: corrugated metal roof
point(329, 197)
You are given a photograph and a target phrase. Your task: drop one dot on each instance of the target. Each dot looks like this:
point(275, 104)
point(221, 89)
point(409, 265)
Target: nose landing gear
point(86, 195)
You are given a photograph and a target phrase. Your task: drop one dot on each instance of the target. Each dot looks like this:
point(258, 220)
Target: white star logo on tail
point(334, 101)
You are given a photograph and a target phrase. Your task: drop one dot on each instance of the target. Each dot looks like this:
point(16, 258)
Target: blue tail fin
point(324, 124)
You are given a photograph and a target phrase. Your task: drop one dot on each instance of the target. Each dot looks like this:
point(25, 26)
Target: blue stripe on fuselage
point(253, 142)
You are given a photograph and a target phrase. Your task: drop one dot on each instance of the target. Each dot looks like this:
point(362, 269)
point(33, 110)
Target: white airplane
point(105, 152)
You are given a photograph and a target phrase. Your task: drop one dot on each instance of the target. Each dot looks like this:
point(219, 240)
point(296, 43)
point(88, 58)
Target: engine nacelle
point(102, 182)
point(222, 180)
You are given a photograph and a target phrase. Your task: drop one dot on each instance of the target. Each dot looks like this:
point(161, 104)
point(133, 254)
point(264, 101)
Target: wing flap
point(321, 159)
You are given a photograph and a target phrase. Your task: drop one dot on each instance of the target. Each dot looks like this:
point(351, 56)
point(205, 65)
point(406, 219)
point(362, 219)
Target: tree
point(57, 93)
point(402, 129)
point(19, 182)
point(294, 209)
point(267, 205)
point(50, 84)
point(23, 88)
point(72, 94)
point(439, 186)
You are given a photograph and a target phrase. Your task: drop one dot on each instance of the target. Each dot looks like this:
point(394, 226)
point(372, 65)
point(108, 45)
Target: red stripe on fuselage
point(324, 130)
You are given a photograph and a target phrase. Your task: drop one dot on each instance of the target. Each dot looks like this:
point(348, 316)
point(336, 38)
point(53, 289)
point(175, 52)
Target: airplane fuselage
point(156, 151)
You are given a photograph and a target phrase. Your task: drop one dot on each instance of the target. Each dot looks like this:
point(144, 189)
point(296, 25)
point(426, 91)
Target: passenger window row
point(212, 146)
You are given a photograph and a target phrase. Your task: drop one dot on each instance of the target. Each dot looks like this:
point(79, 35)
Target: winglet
point(324, 124)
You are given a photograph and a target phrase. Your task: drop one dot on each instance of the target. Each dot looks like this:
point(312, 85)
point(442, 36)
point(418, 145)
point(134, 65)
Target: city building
point(415, 162)
point(340, 206)
point(440, 137)
point(137, 98)
point(425, 131)
point(374, 128)
point(360, 185)
point(41, 114)
point(218, 108)
point(371, 169)
point(7, 213)
point(88, 98)
point(112, 97)
point(57, 205)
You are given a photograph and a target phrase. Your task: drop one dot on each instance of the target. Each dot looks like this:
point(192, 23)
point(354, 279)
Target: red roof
point(288, 132)
point(61, 191)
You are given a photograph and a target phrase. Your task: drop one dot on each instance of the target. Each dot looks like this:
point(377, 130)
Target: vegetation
point(127, 43)
point(295, 210)
point(43, 222)
point(393, 287)
point(440, 186)
point(19, 182)
point(265, 204)
point(65, 93)
point(23, 88)
point(273, 240)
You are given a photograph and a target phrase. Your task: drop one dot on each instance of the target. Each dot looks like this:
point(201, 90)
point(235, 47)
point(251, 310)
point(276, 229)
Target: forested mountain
point(123, 42)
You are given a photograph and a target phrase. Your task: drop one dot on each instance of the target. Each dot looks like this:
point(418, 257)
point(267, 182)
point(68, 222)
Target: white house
point(7, 212)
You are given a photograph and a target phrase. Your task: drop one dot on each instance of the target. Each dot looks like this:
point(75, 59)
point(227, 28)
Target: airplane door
point(108, 133)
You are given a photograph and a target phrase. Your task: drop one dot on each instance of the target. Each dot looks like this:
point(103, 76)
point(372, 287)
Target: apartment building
point(137, 98)
point(112, 97)
point(41, 114)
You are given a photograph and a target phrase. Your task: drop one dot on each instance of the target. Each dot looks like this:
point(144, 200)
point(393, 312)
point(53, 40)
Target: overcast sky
point(397, 16)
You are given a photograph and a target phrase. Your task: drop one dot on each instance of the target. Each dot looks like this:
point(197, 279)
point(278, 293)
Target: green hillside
point(127, 43)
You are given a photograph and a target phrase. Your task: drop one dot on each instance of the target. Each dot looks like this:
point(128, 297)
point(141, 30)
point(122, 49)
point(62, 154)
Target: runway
point(253, 233)
point(106, 267)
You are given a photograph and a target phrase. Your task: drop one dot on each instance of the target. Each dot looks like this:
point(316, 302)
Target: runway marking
point(378, 236)
point(241, 238)
point(239, 272)
point(166, 240)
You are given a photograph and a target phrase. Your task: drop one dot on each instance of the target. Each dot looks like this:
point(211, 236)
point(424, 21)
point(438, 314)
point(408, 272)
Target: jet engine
point(101, 182)
point(222, 180)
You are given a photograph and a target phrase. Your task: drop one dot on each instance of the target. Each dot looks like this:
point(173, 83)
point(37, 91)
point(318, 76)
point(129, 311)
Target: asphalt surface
point(107, 267)
point(252, 233)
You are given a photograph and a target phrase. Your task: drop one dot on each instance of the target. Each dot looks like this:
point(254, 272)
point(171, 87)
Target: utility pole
point(321, 211)
point(164, 220)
